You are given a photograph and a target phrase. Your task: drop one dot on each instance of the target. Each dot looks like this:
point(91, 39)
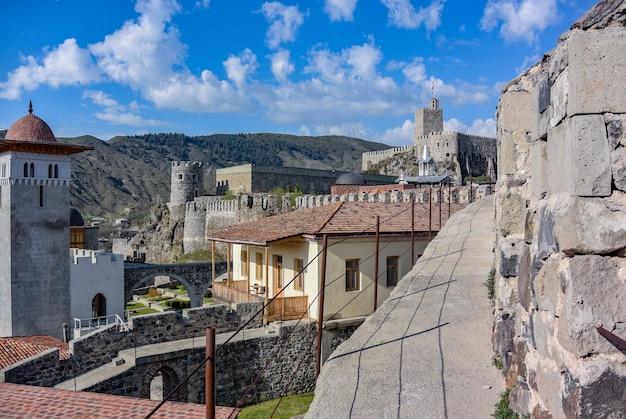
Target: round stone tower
point(186, 184)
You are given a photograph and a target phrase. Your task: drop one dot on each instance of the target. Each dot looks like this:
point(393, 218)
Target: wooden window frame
point(298, 269)
point(352, 275)
point(393, 270)
point(259, 265)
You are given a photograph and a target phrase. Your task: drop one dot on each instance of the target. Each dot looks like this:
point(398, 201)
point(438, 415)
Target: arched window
point(180, 176)
point(25, 169)
point(56, 171)
point(32, 170)
point(99, 306)
point(50, 171)
point(163, 383)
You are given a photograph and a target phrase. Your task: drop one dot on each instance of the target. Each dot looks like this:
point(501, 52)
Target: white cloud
point(203, 4)
point(118, 114)
point(481, 127)
point(521, 20)
point(398, 136)
point(402, 14)
point(281, 67)
point(284, 22)
point(67, 64)
point(340, 9)
point(238, 68)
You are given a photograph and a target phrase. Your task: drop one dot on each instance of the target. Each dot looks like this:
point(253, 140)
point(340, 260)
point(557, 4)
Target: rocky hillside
point(125, 176)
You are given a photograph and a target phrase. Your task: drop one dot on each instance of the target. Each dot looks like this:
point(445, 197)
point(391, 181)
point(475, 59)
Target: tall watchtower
point(34, 229)
point(428, 120)
point(186, 184)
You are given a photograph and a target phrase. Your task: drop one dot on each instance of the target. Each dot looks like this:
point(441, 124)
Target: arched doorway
point(163, 383)
point(99, 306)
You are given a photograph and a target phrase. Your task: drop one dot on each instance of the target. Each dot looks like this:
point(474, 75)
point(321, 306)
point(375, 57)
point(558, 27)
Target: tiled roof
point(19, 348)
point(340, 218)
point(30, 128)
point(21, 402)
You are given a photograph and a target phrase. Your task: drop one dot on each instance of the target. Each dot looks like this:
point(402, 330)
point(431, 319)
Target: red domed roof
point(30, 128)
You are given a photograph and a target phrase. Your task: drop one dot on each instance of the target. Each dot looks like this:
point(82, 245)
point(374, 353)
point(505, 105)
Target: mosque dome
point(76, 219)
point(30, 128)
point(351, 178)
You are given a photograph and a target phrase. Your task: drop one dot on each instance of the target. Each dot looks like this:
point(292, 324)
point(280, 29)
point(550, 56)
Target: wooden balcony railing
point(237, 294)
point(287, 308)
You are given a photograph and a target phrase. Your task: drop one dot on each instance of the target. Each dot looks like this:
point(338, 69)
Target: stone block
point(596, 67)
point(546, 239)
point(599, 396)
point(616, 130)
point(511, 214)
point(548, 386)
point(591, 158)
point(547, 286)
point(559, 96)
point(588, 226)
point(618, 168)
point(540, 112)
point(594, 296)
point(503, 333)
point(560, 170)
point(524, 281)
point(516, 111)
point(509, 257)
point(539, 168)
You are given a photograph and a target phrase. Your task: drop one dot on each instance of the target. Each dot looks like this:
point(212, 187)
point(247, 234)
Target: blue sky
point(317, 67)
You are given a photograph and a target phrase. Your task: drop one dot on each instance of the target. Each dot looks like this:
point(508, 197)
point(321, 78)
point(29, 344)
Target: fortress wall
point(372, 158)
point(194, 228)
point(561, 224)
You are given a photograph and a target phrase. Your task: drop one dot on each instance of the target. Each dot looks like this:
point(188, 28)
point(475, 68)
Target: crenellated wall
point(561, 224)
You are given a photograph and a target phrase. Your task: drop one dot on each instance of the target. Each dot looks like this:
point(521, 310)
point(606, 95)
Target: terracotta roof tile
point(339, 218)
point(19, 402)
point(30, 128)
point(19, 348)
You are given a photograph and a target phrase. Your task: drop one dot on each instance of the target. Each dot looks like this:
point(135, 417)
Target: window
point(392, 271)
point(25, 169)
point(244, 263)
point(259, 265)
point(298, 267)
point(32, 170)
point(4, 170)
point(41, 198)
point(50, 171)
point(56, 171)
point(180, 176)
point(352, 275)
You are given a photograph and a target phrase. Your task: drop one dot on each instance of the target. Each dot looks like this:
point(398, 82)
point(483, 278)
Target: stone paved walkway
point(426, 352)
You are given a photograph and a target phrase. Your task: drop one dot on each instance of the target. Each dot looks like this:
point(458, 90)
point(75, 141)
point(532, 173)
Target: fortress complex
point(437, 152)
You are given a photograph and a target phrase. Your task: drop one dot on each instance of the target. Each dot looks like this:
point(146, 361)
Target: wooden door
point(278, 273)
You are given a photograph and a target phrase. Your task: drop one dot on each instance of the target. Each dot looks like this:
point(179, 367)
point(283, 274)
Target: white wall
point(93, 272)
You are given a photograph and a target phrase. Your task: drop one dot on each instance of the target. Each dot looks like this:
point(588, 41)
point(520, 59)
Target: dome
point(350, 179)
point(76, 219)
point(30, 128)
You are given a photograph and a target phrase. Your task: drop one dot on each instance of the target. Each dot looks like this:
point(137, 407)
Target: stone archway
point(152, 276)
point(170, 373)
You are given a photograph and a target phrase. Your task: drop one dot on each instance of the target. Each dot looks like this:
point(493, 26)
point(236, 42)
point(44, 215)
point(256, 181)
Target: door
point(278, 273)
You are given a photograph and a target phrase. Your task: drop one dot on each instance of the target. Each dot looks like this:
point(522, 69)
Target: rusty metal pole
point(449, 199)
point(440, 204)
point(210, 373)
point(320, 311)
point(376, 263)
point(413, 231)
point(430, 212)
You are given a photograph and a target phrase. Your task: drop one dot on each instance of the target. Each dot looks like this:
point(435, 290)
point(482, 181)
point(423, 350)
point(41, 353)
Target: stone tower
point(428, 120)
point(34, 229)
point(186, 184)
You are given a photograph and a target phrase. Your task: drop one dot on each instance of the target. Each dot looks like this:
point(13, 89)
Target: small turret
point(186, 184)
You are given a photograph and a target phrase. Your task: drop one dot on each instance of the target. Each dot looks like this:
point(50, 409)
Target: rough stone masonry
point(561, 219)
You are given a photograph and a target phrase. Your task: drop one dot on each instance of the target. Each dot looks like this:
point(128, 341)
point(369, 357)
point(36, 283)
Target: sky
point(319, 67)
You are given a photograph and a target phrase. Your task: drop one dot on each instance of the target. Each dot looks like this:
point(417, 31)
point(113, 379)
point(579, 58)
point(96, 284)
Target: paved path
point(426, 352)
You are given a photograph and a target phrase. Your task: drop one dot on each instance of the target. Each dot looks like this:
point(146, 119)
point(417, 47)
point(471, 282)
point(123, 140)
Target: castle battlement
point(186, 164)
point(92, 257)
point(390, 151)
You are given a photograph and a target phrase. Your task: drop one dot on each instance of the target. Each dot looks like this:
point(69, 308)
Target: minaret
point(35, 177)
point(426, 163)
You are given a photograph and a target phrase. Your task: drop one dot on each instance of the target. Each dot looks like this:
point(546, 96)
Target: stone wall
point(372, 158)
point(96, 349)
point(561, 224)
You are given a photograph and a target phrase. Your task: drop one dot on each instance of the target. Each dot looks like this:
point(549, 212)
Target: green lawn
point(136, 309)
point(290, 406)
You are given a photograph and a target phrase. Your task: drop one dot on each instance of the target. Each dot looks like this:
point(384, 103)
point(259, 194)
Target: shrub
point(208, 293)
point(490, 283)
point(503, 411)
point(153, 292)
